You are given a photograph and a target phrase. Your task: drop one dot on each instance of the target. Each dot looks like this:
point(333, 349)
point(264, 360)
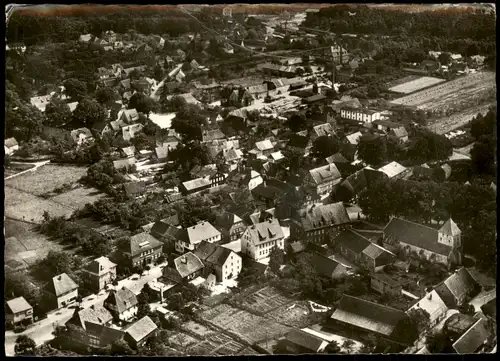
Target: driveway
point(41, 331)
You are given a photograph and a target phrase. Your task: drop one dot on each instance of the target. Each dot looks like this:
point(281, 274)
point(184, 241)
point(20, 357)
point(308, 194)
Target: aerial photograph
point(250, 179)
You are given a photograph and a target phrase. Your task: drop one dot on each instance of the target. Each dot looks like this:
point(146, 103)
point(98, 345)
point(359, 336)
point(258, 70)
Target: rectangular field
point(265, 300)
point(216, 344)
point(77, 198)
point(444, 96)
point(416, 84)
point(294, 315)
point(247, 326)
point(46, 178)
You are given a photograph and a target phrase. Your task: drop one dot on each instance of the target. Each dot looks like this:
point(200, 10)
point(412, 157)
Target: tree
point(297, 122)
point(143, 309)
point(176, 302)
point(325, 146)
point(348, 346)
point(437, 342)
point(89, 112)
point(444, 58)
point(332, 348)
point(484, 125)
point(142, 103)
point(121, 348)
point(483, 155)
point(75, 89)
point(430, 146)
point(276, 259)
point(24, 346)
point(57, 112)
point(58, 262)
point(105, 95)
point(372, 149)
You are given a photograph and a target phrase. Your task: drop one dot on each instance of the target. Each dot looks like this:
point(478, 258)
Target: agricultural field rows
point(416, 84)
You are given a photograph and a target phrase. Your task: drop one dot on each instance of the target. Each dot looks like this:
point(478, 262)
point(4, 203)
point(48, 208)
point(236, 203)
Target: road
point(37, 165)
point(41, 331)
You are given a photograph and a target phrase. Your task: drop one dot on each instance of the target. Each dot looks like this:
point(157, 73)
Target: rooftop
point(265, 231)
point(63, 284)
point(141, 329)
point(187, 264)
point(317, 216)
point(325, 174)
point(201, 231)
point(142, 242)
point(18, 304)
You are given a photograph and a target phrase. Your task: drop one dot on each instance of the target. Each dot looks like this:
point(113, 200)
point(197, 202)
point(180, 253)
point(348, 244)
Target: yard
point(265, 300)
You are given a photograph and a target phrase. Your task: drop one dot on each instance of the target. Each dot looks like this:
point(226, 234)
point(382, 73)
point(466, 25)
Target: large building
point(259, 239)
point(142, 249)
point(100, 272)
point(315, 223)
point(442, 245)
point(324, 178)
point(225, 263)
point(360, 115)
point(203, 231)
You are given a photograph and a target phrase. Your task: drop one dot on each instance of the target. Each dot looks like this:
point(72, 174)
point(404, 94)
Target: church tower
point(449, 234)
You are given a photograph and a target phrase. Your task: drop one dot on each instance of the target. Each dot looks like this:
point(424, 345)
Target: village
point(223, 191)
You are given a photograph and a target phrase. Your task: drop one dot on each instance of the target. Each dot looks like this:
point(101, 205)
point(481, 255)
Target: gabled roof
point(94, 314)
point(306, 340)
point(187, 264)
point(128, 151)
point(392, 169)
point(211, 135)
point(376, 252)
point(415, 234)
point(129, 131)
point(10, 142)
point(134, 188)
point(264, 145)
point(473, 338)
point(432, 304)
point(142, 242)
point(386, 123)
point(325, 266)
point(337, 158)
point(455, 287)
point(204, 250)
point(123, 163)
point(354, 138)
point(325, 129)
point(399, 132)
point(100, 266)
point(450, 228)
point(107, 335)
point(75, 133)
point(199, 171)
point(353, 241)
point(123, 299)
point(196, 184)
point(368, 315)
point(265, 231)
point(201, 231)
point(62, 284)
point(490, 308)
point(141, 329)
point(325, 174)
point(322, 215)
point(18, 304)
point(219, 256)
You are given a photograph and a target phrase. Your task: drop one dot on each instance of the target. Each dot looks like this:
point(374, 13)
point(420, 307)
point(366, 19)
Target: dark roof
point(325, 266)
point(187, 264)
point(265, 191)
point(298, 246)
point(473, 338)
point(315, 98)
point(386, 123)
point(490, 308)
point(298, 141)
point(353, 241)
point(385, 278)
point(96, 314)
point(219, 256)
point(455, 287)
point(416, 235)
point(305, 340)
point(100, 266)
point(204, 250)
point(368, 315)
point(123, 299)
point(142, 242)
point(337, 158)
point(322, 215)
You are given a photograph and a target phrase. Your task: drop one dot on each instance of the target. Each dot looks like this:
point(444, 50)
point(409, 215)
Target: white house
point(203, 231)
point(433, 305)
point(226, 263)
point(10, 146)
point(259, 239)
point(361, 115)
point(64, 289)
point(122, 304)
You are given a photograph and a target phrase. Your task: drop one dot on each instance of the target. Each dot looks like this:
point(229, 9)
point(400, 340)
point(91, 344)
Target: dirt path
point(37, 165)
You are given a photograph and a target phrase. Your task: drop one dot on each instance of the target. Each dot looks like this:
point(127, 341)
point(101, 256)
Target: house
point(443, 172)
point(265, 147)
point(85, 38)
point(230, 225)
point(469, 334)
point(134, 189)
point(129, 116)
point(10, 146)
point(212, 135)
point(323, 179)
point(385, 284)
point(338, 159)
point(137, 333)
point(443, 245)
point(326, 267)
point(81, 136)
point(423, 172)
point(360, 115)
point(259, 239)
point(458, 289)
point(183, 268)
point(40, 102)
point(203, 231)
point(433, 305)
point(354, 138)
point(384, 125)
point(301, 342)
point(122, 304)
point(90, 327)
point(287, 71)
point(100, 272)
point(232, 158)
point(394, 170)
point(240, 98)
point(195, 186)
point(258, 91)
point(225, 263)
point(316, 223)
point(376, 257)
point(339, 54)
point(314, 99)
point(208, 172)
point(322, 130)
point(179, 54)
point(18, 311)
point(249, 178)
point(63, 290)
point(127, 152)
point(268, 194)
point(168, 234)
point(124, 163)
point(360, 316)
point(399, 134)
point(142, 250)
point(130, 131)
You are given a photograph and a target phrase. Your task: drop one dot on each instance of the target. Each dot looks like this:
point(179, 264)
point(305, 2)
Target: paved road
point(41, 331)
point(37, 165)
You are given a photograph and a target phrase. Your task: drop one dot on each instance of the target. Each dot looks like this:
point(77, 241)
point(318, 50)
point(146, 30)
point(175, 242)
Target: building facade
point(361, 115)
point(258, 240)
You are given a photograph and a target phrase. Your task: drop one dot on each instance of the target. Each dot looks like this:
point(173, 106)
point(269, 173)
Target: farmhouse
point(183, 268)
point(230, 225)
point(443, 245)
point(433, 305)
point(359, 315)
point(394, 170)
point(316, 223)
point(122, 304)
point(259, 239)
point(458, 289)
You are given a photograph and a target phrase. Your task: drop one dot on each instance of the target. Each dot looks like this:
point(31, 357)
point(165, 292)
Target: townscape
point(250, 179)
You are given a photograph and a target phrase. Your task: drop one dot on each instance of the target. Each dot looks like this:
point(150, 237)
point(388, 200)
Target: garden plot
point(46, 178)
point(247, 326)
point(294, 315)
point(216, 344)
point(182, 341)
point(265, 300)
point(198, 329)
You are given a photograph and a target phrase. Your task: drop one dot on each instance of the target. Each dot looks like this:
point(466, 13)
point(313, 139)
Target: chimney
point(59, 278)
point(184, 260)
point(429, 296)
point(92, 307)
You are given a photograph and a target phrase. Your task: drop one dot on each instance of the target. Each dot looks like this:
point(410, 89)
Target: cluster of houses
point(458, 64)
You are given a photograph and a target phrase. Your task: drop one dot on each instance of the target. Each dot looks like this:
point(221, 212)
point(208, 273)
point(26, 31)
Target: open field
point(28, 246)
point(21, 205)
point(46, 178)
point(446, 96)
point(77, 198)
point(15, 168)
point(416, 84)
point(446, 124)
point(402, 80)
point(247, 326)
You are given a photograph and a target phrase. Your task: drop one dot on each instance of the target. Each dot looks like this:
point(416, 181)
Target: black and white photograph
point(250, 179)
